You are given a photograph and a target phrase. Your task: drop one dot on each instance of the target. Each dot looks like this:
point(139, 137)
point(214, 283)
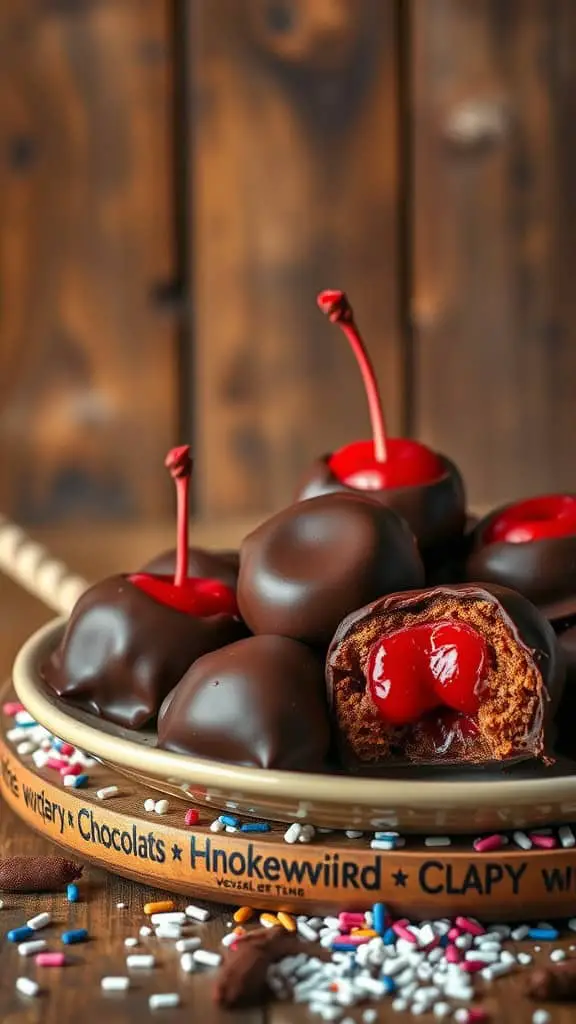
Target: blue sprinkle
point(72, 893)
point(389, 938)
point(255, 826)
point(79, 781)
point(58, 744)
point(26, 725)
point(549, 934)
point(229, 819)
point(19, 934)
point(389, 984)
point(444, 941)
point(343, 947)
point(379, 915)
point(79, 935)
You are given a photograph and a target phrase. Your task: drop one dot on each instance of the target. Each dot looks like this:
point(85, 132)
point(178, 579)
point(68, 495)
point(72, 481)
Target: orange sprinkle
point(243, 914)
point(269, 919)
point(366, 933)
point(159, 907)
point(239, 931)
point(333, 987)
point(287, 921)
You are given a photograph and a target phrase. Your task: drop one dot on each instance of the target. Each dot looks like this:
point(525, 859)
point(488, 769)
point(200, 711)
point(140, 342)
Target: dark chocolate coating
point(543, 570)
point(258, 702)
point(435, 512)
point(312, 563)
point(209, 565)
point(566, 714)
point(122, 651)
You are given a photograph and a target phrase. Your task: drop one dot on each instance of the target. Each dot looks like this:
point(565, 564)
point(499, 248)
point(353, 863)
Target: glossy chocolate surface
point(308, 566)
point(566, 713)
point(210, 565)
point(528, 625)
point(435, 512)
point(122, 651)
point(258, 702)
point(543, 570)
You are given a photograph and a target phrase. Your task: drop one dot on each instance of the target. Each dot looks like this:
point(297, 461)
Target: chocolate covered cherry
point(423, 486)
point(312, 563)
point(454, 674)
point(215, 565)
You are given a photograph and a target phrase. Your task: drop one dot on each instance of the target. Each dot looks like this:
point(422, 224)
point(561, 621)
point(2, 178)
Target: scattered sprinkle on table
point(141, 961)
point(107, 791)
point(197, 913)
point(158, 907)
point(71, 938)
point(27, 987)
point(112, 983)
point(163, 1000)
point(161, 807)
point(149, 805)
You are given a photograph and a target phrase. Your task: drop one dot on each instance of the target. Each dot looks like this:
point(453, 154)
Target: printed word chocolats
point(130, 842)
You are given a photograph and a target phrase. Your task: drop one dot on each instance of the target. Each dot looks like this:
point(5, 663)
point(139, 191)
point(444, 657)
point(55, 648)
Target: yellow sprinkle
point(269, 920)
point(243, 914)
point(287, 921)
point(366, 933)
point(159, 907)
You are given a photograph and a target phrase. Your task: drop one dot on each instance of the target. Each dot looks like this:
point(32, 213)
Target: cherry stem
point(335, 305)
point(179, 463)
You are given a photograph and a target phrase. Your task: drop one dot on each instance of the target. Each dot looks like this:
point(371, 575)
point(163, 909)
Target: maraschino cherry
point(384, 461)
point(551, 515)
point(192, 595)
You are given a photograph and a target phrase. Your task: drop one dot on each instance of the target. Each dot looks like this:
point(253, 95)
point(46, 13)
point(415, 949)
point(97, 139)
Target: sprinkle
point(106, 792)
point(130, 942)
point(382, 844)
point(12, 707)
point(287, 921)
point(400, 929)
point(307, 833)
point(159, 907)
point(149, 805)
point(40, 921)
point(379, 917)
point(20, 934)
point(145, 931)
point(522, 840)
point(255, 826)
point(306, 932)
point(230, 819)
point(120, 906)
point(72, 893)
point(217, 826)
point(163, 1000)
point(168, 917)
point(352, 833)
point(25, 748)
point(438, 841)
point(27, 987)
point(473, 966)
point(453, 954)
point(207, 958)
point(113, 983)
point(192, 816)
point(187, 962)
point(51, 960)
point(547, 934)
point(567, 837)
point(141, 961)
point(520, 933)
point(292, 833)
point(557, 955)
point(29, 948)
point(70, 769)
point(441, 1010)
point(269, 921)
point(543, 842)
point(524, 959)
point(493, 842)
point(349, 919)
point(197, 913)
point(72, 937)
point(540, 1017)
point(161, 807)
point(470, 925)
point(496, 971)
point(243, 914)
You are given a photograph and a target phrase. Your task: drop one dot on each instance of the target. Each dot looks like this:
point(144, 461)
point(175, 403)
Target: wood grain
point(494, 220)
point(295, 188)
point(87, 361)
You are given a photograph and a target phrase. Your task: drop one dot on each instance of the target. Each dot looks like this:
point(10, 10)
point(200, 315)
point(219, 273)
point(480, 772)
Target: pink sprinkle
point(12, 707)
point(192, 816)
point(477, 1016)
point(50, 959)
point(472, 966)
point(350, 940)
point(544, 842)
point(71, 769)
point(351, 920)
point(494, 842)
point(454, 933)
point(57, 763)
point(66, 749)
point(400, 929)
point(453, 955)
point(468, 924)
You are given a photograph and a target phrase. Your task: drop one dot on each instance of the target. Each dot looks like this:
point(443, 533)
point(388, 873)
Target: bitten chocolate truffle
point(214, 565)
point(531, 547)
point(448, 675)
point(123, 651)
point(259, 702)
point(308, 566)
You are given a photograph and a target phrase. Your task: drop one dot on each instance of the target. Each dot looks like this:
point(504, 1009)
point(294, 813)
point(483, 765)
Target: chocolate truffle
point(453, 674)
point(215, 565)
point(123, 651)
point(543, 568)
point(259, 702)
point(435, 511)
point(308, 566)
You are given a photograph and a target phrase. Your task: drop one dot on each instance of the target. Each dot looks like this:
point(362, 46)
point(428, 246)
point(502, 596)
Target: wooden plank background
point(87, 363)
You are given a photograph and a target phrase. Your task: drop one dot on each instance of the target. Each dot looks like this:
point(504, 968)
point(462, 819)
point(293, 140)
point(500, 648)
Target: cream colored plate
point(410, 801)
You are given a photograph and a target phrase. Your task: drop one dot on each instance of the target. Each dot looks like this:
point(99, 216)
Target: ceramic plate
point(410, 801)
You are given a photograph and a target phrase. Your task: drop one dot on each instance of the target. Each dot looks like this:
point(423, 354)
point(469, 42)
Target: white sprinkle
point(141, 960)
point(572, 924)
point(40, 921)
point(187, 962)
point(566, 836)
point(399, 1005)
point(40, 758)
point(524, 959)
point(537, 949)
point(163, 1000)
point(291, 834)
point(369, 1016)
point(23, 718)
point(149, 805)
point(230, 828)
point(186, 945)
point(392, 967)
point(383, 844)
point(161, 807)
point(27, 987)
point(484, 956)
point(69, 781)
point(557, 955)
point(168, 931)
point(307, 833)
point(34, 946)
point(437, 841)
point(522, 840)
point(25, 748)
point(540, 1017)
point(229, 939)
point(217, 825)
point(501, 930)
point(120, 906)
point(496, 971)
point(106, 792)
point(197, 913)
point(461, 1016)
point(372, 986)
point(115, 983)
point(463, 941)
point(207, 958)
point(520, 933)
point(130, 942)
point(507, 957)
point(442, 1010)
point(306, 932)
point(145, 931)
point(13, 735)
point(168, 917)
point(352, 833)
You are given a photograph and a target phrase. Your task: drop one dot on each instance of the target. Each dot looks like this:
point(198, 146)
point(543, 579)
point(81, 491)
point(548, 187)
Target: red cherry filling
point(551, 515)
point(417, 668)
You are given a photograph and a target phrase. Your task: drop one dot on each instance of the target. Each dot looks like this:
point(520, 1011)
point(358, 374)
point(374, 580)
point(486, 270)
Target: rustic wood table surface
point(73, 993)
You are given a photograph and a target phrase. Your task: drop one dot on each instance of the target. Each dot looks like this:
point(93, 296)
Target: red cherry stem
point(335, 305)
point(179, 463)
